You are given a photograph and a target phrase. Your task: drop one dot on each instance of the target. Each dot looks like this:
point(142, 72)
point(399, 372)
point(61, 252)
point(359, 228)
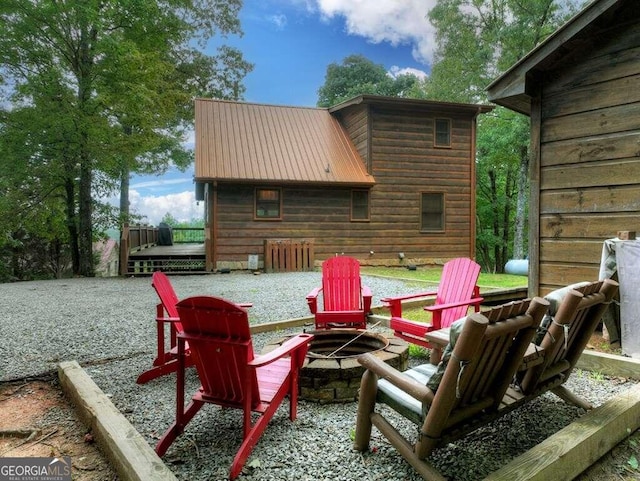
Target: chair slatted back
point(485, 358)
point(341, 284)
point(578, 316)
point(167, 295)
point(220, 341)
point(511, 328)
point(458, 280)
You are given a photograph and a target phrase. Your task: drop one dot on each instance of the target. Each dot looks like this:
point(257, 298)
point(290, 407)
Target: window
point(432, 212)
point(268, 203)
point(442, 137)
point(359, 205)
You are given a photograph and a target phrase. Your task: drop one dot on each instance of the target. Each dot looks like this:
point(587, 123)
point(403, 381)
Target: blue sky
point(291, 43)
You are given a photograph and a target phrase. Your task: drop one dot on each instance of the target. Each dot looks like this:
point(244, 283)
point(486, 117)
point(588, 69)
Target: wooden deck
point(176, 250)
point(175, 259)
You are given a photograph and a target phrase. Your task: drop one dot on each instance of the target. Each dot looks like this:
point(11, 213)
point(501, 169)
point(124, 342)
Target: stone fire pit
point(331, 372)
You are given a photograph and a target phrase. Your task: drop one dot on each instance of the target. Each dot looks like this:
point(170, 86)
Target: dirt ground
point(37, 420)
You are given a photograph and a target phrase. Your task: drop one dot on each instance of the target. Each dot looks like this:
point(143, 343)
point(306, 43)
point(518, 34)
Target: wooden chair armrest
point(314, 293)
point(300, 341)
point(312, 299)
point(439, 337)
point(367, 297)
point(395, 303)
point(167, 319)
point(408, 296)
point(412, 387)
point(441, 307)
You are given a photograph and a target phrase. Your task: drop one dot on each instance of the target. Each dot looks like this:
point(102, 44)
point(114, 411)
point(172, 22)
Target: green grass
point(431, 275)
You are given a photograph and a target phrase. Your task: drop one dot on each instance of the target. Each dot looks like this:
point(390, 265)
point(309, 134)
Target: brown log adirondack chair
point(219, 337)
point(543, 368)
point(456, 292)
point(574, 316)
point(166, 313)
point(346, 301)
point(473, 378)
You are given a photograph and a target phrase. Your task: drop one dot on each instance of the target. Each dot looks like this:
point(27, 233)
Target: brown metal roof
point(238, 141)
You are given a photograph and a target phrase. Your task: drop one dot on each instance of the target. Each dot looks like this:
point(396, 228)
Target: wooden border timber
point(572, 450)
point(128, 452)
point(609, 364)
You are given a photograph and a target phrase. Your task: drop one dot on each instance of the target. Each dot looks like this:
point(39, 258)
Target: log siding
point(396, 145)
point(589, 155)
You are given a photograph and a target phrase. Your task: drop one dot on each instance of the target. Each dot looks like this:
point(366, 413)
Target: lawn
point(428, 277)
point(431, 276)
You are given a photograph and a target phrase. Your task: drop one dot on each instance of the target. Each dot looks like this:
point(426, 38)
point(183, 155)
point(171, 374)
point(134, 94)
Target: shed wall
point(589, 156)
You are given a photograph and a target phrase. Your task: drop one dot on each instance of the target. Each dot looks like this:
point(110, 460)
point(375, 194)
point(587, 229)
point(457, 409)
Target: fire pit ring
point(331, 372)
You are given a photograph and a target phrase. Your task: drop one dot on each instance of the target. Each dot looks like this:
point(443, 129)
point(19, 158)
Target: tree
point(476, 40)
point(358, 75)
point(122, 76)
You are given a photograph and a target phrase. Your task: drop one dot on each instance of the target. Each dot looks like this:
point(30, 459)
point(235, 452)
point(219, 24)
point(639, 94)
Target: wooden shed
point(581, 88)
point(389, 181)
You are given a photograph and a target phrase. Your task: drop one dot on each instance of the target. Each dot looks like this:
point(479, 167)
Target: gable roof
point(237, 141)
point(513, 89)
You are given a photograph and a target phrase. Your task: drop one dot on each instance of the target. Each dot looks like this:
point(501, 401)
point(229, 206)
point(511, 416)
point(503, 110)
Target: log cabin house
point(389, 181)
point(581, 88)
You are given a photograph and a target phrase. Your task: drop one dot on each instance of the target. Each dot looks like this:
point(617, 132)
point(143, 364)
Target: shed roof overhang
point(413, 104)
point(515, 88)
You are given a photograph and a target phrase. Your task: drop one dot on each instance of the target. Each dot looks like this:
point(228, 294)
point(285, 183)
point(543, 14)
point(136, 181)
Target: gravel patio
point(107, 326)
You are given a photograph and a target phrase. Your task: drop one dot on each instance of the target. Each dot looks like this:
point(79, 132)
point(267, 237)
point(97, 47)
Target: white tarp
point(628, 263)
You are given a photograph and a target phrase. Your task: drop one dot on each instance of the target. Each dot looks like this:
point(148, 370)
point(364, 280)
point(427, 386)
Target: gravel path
point(107, 325)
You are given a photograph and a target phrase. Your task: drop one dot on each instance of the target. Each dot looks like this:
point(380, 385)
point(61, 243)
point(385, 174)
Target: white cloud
point(181, 205)
point(394, 21)
point(279, 20)
point(396, 71)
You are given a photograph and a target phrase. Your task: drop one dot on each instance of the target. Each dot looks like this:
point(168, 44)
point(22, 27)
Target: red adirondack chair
point(346, 301)
point(456, 292)
point(166, 313)
point(219, 337)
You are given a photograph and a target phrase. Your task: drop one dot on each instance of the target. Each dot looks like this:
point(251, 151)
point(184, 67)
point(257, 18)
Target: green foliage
point(418, 352)
point(501, 148)
point(173, 222)
point(475, 42)
point(97, 90)
point(358, 75)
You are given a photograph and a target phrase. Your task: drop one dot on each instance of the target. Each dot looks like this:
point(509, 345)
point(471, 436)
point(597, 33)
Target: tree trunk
point(84, 76)
point(72, 224)
point(85, 212)
point(125, 172)
point(519, 235)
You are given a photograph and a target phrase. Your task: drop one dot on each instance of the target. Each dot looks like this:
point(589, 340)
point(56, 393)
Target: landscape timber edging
point(126, 449)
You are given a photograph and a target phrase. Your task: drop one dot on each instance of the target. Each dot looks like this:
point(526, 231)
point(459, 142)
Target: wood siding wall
point(589, 156)
point(356, 122)
point(406, 164)
point(399, 146)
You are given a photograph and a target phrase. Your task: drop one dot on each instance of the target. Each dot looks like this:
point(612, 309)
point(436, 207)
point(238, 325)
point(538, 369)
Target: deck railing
point(133, 238)
point(138, 237)
point(188, 235)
